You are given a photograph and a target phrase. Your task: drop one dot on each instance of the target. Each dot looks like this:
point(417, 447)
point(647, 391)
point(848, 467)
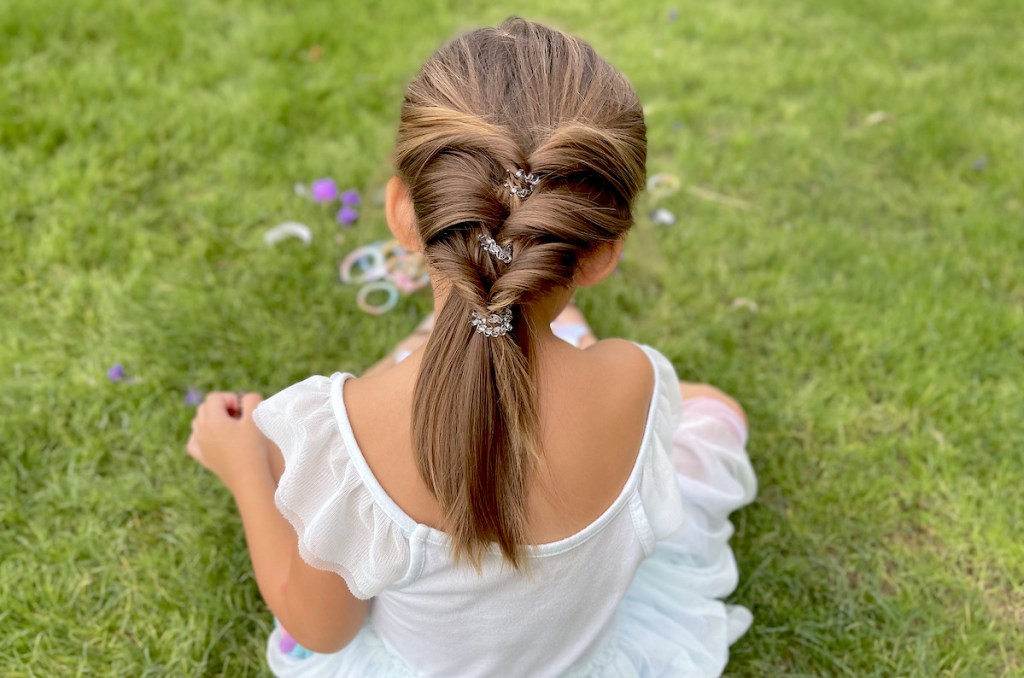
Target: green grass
point(144, 147)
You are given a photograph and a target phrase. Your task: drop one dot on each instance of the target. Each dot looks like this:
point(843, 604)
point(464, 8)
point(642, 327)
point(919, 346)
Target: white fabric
point(339, 525)
point(631, 594)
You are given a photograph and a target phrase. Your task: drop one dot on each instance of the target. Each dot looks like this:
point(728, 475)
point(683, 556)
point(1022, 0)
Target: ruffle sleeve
point(340, 527)
point(658, 492)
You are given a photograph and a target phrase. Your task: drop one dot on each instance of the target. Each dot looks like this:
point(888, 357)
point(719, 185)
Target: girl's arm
point(316, 607)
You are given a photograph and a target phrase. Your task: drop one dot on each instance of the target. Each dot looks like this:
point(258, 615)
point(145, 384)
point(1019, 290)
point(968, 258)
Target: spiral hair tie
point(501, 253)
point(520, 183)
point(493, 324)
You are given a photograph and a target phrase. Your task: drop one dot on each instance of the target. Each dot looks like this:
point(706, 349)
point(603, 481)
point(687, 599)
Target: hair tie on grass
point(385, 286)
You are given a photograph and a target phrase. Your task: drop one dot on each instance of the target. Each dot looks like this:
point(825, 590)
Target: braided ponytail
point(516, 96)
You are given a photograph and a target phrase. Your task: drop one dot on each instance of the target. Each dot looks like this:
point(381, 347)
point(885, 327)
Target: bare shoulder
point(594, 422)
point(619, 350)
point(626, 365)
point(627, 360)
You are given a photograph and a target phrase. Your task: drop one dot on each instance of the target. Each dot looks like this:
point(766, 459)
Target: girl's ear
point(599, 263)
point(401, 217)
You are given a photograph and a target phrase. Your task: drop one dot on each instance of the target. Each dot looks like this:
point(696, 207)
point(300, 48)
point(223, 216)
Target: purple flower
point(193, 396)
point(350, 198)
point(347, 215)
point(324, 190)
point(116, 373)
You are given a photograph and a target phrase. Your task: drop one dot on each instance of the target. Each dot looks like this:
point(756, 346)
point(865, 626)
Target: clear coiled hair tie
point(502, 253)
point(520, 183)
point(492, 324)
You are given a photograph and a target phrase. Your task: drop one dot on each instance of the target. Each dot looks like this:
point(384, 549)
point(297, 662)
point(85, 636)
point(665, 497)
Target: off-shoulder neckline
point(413, 529)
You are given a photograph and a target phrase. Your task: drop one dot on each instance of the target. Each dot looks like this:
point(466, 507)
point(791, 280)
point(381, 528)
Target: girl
point(499, 502)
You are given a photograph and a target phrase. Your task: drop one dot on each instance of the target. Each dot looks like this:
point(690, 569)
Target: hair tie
point(364, 264)
point(491, 246)
point(493, 324)
point(520, 183)
point(363, 301)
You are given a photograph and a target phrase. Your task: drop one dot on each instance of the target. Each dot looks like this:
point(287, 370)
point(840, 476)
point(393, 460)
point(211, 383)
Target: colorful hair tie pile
point(383, 267)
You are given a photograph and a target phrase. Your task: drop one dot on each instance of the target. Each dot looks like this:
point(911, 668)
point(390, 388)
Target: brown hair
point(516, 96)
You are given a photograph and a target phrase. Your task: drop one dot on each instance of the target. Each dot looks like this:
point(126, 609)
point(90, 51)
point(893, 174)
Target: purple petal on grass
point(347, 215)
point(323, 190)
point(193, 396)
point(350, 198)
point(116, 373)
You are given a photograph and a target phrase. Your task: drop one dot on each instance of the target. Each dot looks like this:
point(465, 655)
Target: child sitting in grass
point(493, 500)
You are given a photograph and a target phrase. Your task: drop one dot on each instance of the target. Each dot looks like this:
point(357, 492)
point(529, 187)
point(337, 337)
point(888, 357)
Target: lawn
point(846, 259)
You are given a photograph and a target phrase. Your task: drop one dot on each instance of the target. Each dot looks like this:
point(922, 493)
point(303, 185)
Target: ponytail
point(475, 424)
point(519, 96)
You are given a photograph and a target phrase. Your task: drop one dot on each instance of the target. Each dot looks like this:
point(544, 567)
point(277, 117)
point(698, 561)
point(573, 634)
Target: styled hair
point(517, 96)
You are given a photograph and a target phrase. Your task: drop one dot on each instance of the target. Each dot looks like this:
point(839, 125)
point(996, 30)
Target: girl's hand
point(226, 440)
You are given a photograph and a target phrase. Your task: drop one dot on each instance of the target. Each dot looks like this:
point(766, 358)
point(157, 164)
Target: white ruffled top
point(437, 619)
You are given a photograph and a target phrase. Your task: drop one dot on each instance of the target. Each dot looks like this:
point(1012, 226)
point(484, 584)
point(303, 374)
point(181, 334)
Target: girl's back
point(593, 410)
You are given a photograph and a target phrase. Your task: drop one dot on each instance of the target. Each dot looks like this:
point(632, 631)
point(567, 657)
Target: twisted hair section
point(517, 96)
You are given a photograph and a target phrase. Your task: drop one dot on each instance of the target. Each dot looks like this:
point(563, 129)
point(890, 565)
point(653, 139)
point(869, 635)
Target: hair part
point(492, 101)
